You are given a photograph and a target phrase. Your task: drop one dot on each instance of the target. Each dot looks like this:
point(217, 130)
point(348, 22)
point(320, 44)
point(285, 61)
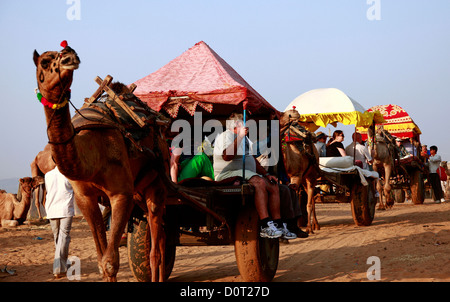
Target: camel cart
point(341, 180)
point(410, 171)
point(198, 211)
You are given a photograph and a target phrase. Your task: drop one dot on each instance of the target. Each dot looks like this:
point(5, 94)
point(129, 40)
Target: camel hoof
point(109, 268)
point(109, 272)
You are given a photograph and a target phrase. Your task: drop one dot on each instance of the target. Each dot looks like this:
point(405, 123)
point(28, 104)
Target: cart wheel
point(417, 187)
point(256, 257)
point(363, 204)
point(399, 195)
point(139, 245)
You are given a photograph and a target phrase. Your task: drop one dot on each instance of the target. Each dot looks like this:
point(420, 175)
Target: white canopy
point(325, 100)
point(320, 107)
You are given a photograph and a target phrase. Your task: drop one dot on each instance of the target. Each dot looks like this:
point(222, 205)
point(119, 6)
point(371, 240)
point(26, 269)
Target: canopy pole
point(244, 141)
point(354, 146)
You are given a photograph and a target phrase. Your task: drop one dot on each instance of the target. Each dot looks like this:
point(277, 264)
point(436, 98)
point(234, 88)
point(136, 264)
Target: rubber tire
point(139, 245)
point(417, 187)
point(256, 257)
point(363, 204)
point(399, 195)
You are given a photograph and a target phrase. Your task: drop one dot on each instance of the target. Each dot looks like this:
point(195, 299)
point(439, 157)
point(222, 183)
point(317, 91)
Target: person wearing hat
point(320, 145)
point(402, 152)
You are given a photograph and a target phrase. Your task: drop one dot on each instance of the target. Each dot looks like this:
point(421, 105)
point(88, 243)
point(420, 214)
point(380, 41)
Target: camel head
point(289, 116)
point(54, 71)
point(26, 185)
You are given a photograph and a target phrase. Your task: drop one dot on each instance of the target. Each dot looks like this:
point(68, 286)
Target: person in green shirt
point(190, 164)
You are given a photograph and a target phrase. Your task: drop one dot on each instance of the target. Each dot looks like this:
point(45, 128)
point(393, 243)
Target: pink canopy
point(199, 77)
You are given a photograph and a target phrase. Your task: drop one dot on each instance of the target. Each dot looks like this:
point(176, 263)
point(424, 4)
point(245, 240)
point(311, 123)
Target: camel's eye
point(45, 63)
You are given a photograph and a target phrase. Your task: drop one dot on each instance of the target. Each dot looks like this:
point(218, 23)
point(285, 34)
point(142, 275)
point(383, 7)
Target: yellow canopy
point(320, 107)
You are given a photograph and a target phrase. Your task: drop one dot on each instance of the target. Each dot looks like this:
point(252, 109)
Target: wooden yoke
point(104, 86)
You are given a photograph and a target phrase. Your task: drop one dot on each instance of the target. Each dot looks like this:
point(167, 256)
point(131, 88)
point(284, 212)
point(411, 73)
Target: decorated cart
point(194, 89)
point(409, 171)
point(341, 180)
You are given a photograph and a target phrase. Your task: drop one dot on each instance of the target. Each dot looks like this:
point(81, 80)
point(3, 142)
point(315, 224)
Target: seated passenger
point(321, 145)
point(228, 162)
point(359, 151)
point(335, 148)
point(402, 152)
point(195, 163)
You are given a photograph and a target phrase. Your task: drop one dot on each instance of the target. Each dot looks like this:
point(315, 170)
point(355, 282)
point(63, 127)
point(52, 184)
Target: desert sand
point(412, 243)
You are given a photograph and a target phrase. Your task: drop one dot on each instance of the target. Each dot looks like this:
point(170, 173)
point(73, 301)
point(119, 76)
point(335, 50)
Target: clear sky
point(282, 48)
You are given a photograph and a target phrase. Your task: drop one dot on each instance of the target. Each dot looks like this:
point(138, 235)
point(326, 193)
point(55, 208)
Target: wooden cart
point(346, 187)
point(411, 175)
point(215, 213)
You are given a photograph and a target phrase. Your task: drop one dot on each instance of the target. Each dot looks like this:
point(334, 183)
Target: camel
point(383, 152)
point(102, 164)
point(41, 164)
point(16, 206)
point(301, 160)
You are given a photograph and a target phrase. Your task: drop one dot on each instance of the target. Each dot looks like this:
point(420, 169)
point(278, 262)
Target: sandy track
point(411, 241)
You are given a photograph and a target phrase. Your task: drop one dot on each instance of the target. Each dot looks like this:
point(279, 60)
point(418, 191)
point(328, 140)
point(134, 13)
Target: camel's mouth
point(70, 61)
point(70, 67)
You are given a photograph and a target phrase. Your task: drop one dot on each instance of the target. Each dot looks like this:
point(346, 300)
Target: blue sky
point(282, 48)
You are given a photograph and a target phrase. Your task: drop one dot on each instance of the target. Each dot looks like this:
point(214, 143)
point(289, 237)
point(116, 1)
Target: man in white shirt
point(60, 210)
point(361, 153)
point(435, 181)
point(228, 162)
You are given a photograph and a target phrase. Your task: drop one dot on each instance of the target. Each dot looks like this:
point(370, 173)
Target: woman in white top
point(60, 210)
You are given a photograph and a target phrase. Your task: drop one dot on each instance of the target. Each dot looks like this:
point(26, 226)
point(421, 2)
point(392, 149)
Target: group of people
point(363, 158)
point(278, 215)
point(335, 148)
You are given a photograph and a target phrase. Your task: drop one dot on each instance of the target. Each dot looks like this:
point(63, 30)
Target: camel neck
point(61, 137)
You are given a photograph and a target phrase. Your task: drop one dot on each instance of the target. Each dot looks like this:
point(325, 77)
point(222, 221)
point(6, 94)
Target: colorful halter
point(51, 105)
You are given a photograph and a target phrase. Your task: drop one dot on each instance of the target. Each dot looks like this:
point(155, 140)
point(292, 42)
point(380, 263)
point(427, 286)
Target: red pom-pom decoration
point(64, 44)
point(293, 107)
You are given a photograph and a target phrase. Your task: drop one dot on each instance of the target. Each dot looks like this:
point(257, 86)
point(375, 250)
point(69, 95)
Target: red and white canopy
point(199, 77)
point(398, 122)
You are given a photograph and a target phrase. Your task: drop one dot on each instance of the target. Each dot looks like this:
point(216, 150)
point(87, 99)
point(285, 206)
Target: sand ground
point(412, 243)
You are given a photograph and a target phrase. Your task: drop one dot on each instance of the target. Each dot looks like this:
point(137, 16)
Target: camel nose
point(69, 57)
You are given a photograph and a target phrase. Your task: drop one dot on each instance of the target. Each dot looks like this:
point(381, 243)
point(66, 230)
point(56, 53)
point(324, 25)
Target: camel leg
point(310, 206)
point(312, 218)
point(36, 200)
point(155, 197)
point(387, 186)
point(121, 207)
point(91, 212)
point(380, 190)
